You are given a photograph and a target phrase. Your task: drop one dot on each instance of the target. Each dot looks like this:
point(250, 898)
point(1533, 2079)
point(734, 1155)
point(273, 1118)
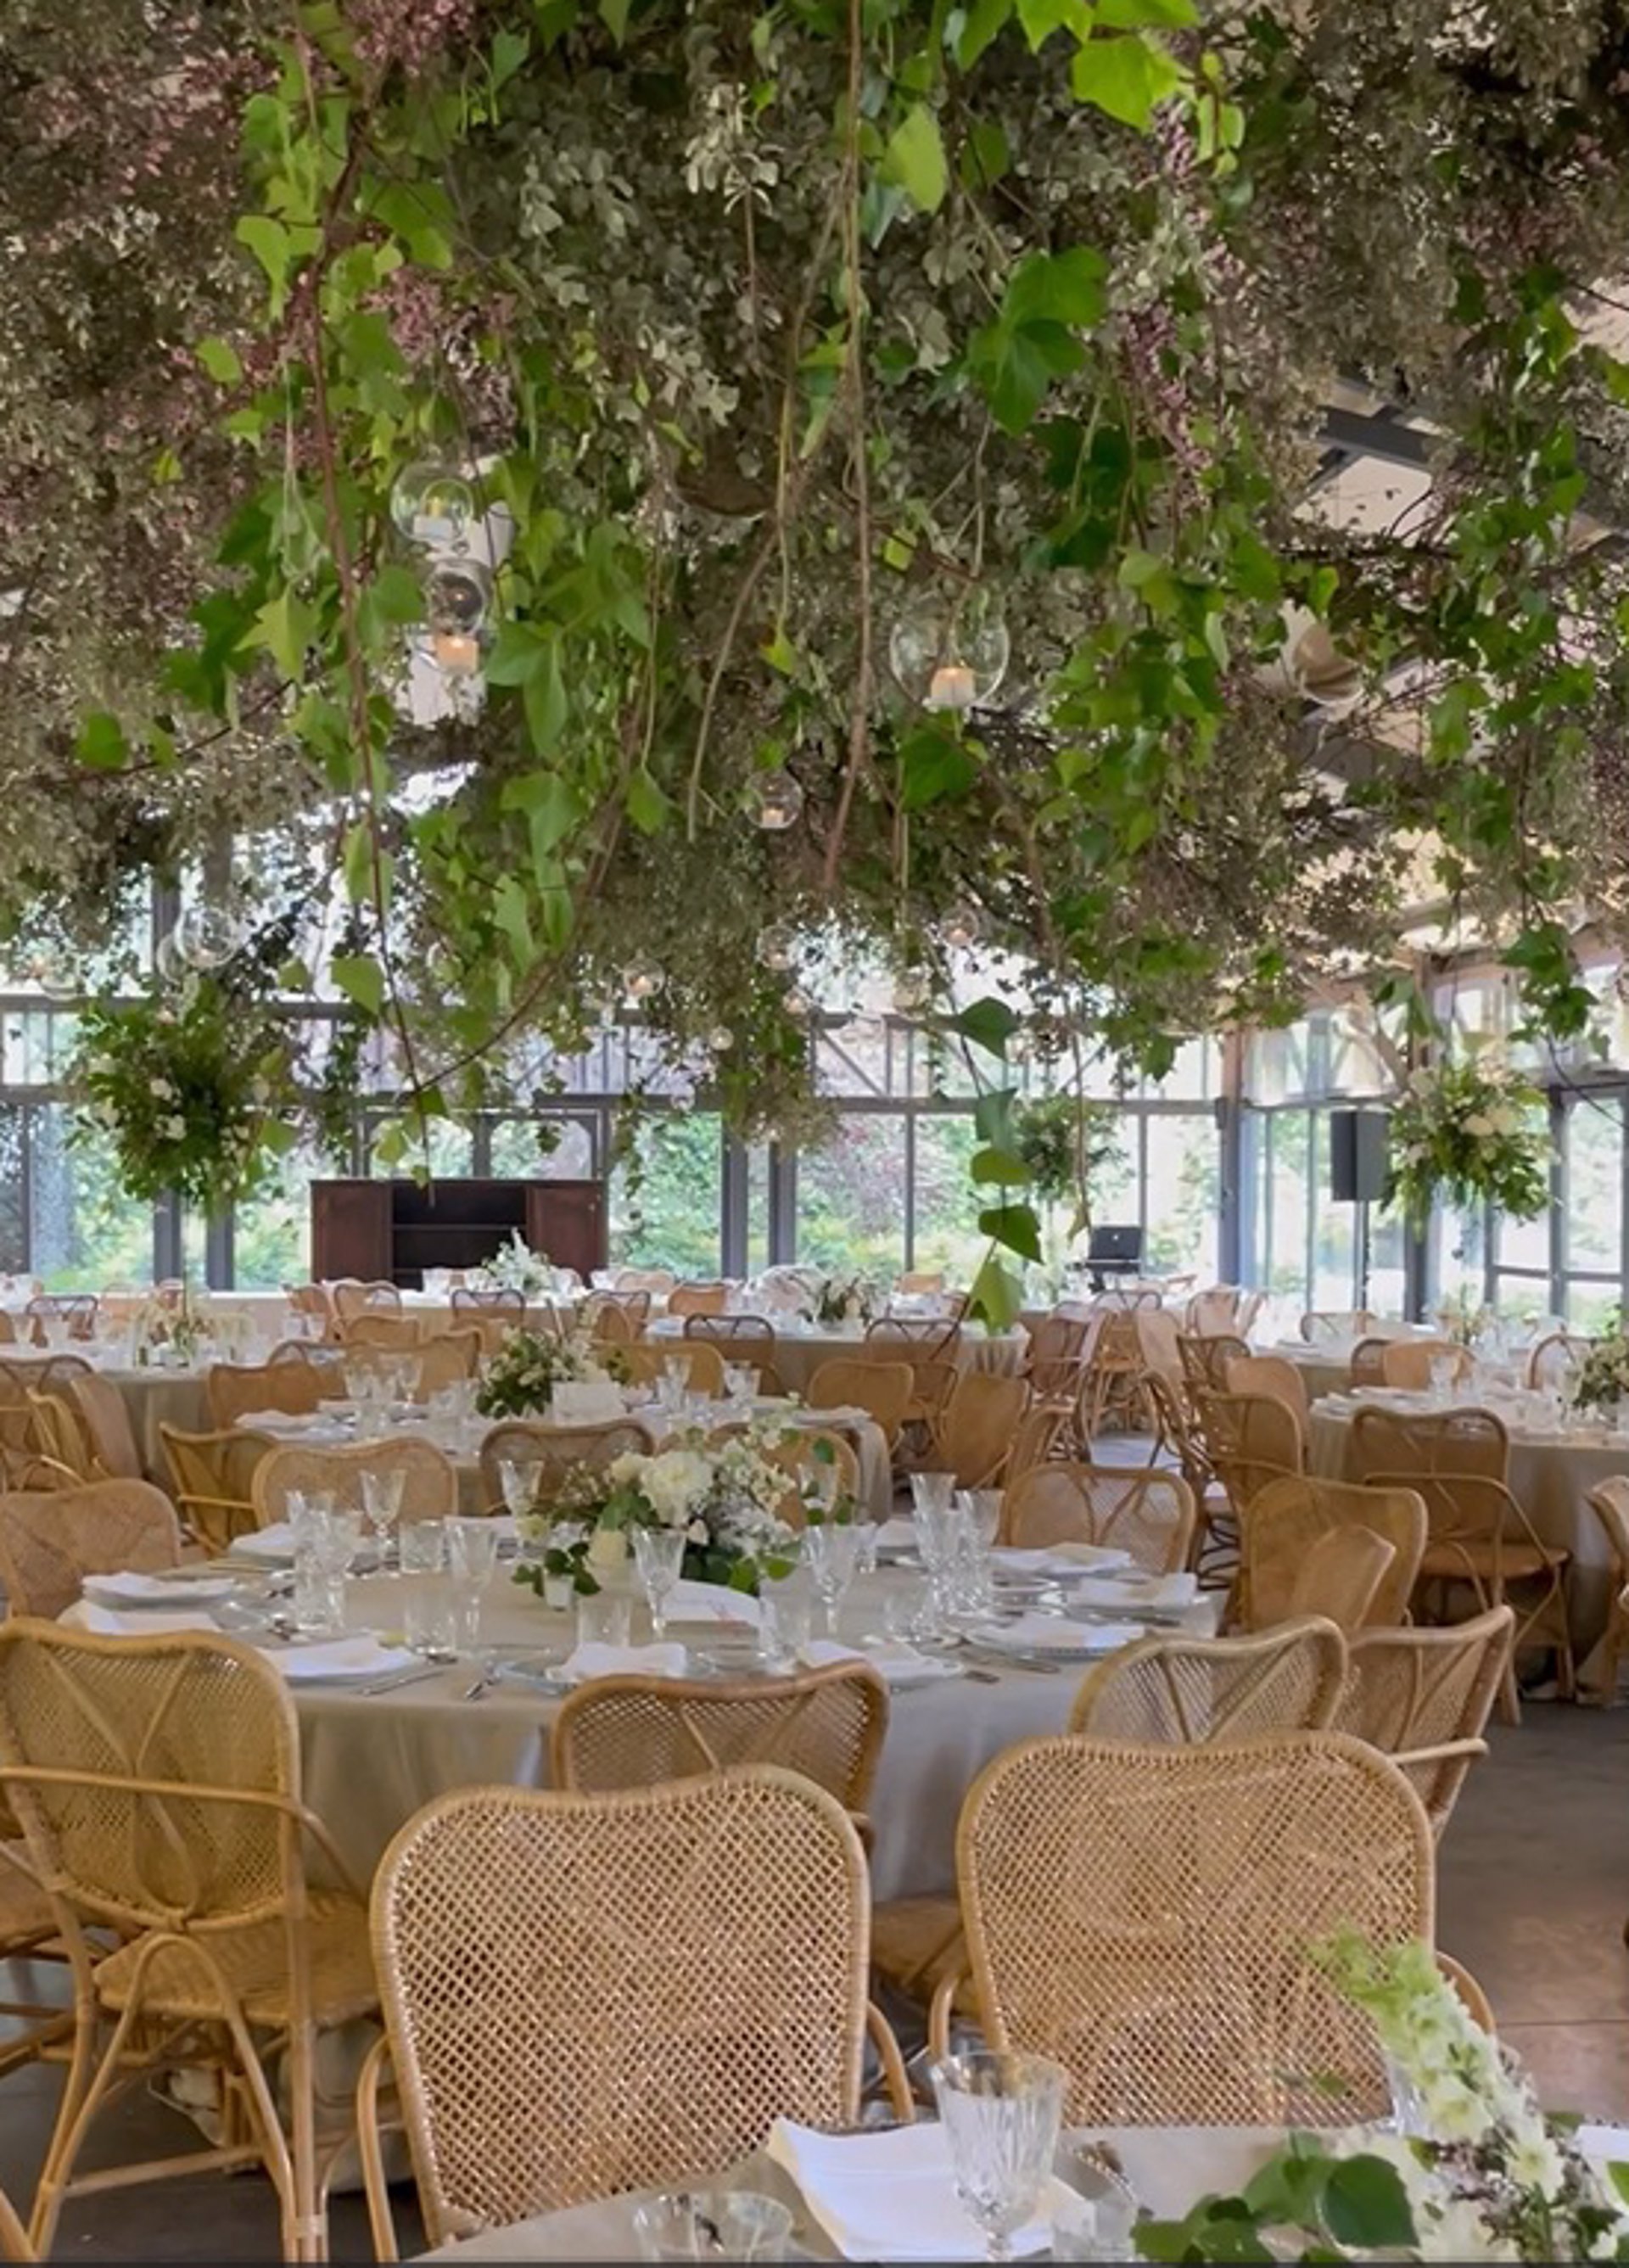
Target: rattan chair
point(698, 1298)
point(27, 1934)
point(1480, 1538)
point(14, 2243)
point(803, 1452)
point(703, 1365)
point(352, 1297)
point(1285, 1520)
point(1609, 1500)
point(1146, 1916)
point(1408, 1363)
point(740, 1339)
point(882, 1389)
point(655, 1280)
point(1423, 1697)
point(106, 1418)
point(505, 1301)
point(1269, 1374)
point(157, 1782)
point(1059, 1349)
point(1250, 1440)
point(1148, 1513)
point(553, 1451)
point(1323, 1326)
point(430, 1481)
point(1367, 1362)
point(51, 1540)
point(1340, 1576)
point(1205, 1360)
point(62, 1439)
point(981, 1422)
point(78, 1310)
point(212, 1481)
point(445, 1359)
point(241, 1389)
point(591, 1993)
point(1184, 1690)
point(1554, 1359)
point(312, 1300)
point(396, 1334)
point(1114, 1392)
point(828, 1723)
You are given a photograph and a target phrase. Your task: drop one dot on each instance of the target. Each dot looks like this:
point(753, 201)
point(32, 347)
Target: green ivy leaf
point(552, 808)
point(1365, 2206)
point(220, 359)
point(997, 1294)
point(1147, 15)
point(543, 698)
point(1013, 1227)
point(269, 240)
point(647, 806)
point(1042, 18)
point(360, 978)
point(102, 742)
point(1071, 288)
point(934, 766)
point(286, 626)
point(989, 1023)
point(614, 14)
point(510, 50)
point(915, 159)
point(1126, 75)
point(1003, 1167)
point(987, 19)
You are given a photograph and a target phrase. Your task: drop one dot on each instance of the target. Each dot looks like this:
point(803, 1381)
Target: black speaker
point(1358, 1156)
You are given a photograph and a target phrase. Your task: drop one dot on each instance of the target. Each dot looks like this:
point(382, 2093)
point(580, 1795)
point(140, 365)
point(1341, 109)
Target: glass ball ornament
point(773, 800)
point(458, 597)
point(208, 934)
point(433, 506)
point(962, 928)
point(778, 946)
point(167, 959)
point(640, 980)
point(797, 1002)
point(950, 653)
point(720, 1039)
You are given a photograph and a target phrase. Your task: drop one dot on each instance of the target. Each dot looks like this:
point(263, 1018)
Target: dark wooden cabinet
point(393, 1231)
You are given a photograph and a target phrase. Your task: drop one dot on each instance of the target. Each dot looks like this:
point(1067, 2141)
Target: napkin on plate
point(127, 1589)
point(896, 1534)
point(596, 1661)
point(888, 2195)
point(711, 1603)
point(900, 1665)
point(273, 1544)
point(1161, 1594)
point(333, 1658)
point(284, 1421)
point(106, 1622)
point(1052, 1634)
point(1062, 1559)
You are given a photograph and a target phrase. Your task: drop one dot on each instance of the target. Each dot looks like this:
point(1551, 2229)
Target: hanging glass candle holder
point(458, 597)
point(433, 506)
point(640, 980)
point(208, 934)
point(773, 800)
point(797, 1002)
point(721, 1039)
point(950, 651)
point(777, 944)
point(962, 928)
point(167, 959)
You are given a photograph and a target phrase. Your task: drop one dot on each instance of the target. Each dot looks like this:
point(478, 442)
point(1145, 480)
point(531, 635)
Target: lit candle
point(456, 651)
point(951, 687)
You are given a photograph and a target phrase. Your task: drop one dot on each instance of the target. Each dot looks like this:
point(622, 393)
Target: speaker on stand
point(1359, 1150)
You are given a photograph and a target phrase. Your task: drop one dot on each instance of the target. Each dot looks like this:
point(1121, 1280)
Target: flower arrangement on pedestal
point(515, 1267)
point(845, 1299)
point(724, 1495)
point(1475, 2172)
point(1466, 1132)
point(521, 1379)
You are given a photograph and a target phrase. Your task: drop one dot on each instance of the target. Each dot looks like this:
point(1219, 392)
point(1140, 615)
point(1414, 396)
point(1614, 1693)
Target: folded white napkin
point(273, 1544)
point(1063, 1559)
point(711, 1603)
point(595, 1661)
point(900, 1665)
point(106, 1622)
point(1052, 1634)
point(888, 2195)
point(1162, 1593)
point(128, 1589)
point(283, 1421)
point(896, 1534)
point(360, 1656)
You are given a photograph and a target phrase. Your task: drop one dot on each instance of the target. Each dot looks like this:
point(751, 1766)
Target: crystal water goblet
point(931, 1492)
point(381, 1503)
point(472, 1555)
point(1001, 2115)
point(517, 1477)
point(830, 1550)
point(712, 2224)
point(659, 1554)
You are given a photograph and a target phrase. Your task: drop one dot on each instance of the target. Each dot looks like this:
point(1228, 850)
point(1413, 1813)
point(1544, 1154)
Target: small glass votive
point(318, 1596)
point(421, 1546)
point(785, 1618)
point(604, 1617)
point(712, 2224)
point(429, 1615)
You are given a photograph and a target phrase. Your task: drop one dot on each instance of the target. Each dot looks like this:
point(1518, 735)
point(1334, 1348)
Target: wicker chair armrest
point(894, 2076)
point(940, 2009)
point(381, 2221)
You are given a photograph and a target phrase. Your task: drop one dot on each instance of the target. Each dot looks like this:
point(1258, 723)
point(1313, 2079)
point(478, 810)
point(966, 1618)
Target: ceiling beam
point(1351, 434)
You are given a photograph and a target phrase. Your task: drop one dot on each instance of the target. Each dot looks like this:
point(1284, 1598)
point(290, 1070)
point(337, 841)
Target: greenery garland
point(1465, 1132)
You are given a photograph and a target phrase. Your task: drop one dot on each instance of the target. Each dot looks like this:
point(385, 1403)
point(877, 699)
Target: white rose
point(1476, 1125)
point(175, 1129)
point(607, 1552)
point(162, 1089)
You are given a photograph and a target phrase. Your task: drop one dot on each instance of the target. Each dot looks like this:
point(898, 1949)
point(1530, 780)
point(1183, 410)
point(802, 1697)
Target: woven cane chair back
point(1158, 1345)
point(239, 1389)
point(979, 1425)
point(882, 1389)
point(157, 1743)
point(445, 1359)
point(703, 1365)
point(1194, 1692)
point(1609, 1500)
point(390, 1334)
point(806, 1455)
point(212, 1477)
point(78, 1309)
point(1286, 1519)
point(1423, 1697)
point(1144, 1915)
point(1339, 1579)
point(51, 1540)
point(1554, 1360)
point(643, 1280)
point(656, 1976)
point(698, 1298)
point(430, 1483)
point(553, 1451)
point(1044, 1429)
point(1148, 1513)
point(1251, 1439)
point(62, 1437)
point(1439, 1441)
point(106, 1421)
point(1205, 1360)
point(352, 1297)
point(14, 2243)
point(1408, 1363)
point(1329, 1326)
point(501, 1299)
point(1367, 1362)
point(1269, 1374)
point(636, 1731)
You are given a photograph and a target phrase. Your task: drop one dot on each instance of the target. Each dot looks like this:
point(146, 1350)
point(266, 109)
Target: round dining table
point(800, 1349)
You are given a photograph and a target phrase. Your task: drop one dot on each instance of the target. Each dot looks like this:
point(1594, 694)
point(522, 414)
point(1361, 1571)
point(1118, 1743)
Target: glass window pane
point(84, 1230)
point(1593, 1228)
point(851, 1198)
point(947, 1208)
point(1334, 1228)
point(271, 1232)
point(550, 1149)
point(1185, 1191)
point(665, 1201)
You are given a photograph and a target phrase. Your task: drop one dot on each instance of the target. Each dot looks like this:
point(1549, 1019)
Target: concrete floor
point(1534, 1891)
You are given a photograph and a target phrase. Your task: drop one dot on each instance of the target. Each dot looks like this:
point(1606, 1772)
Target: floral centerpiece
point(845, 1299)
point(724, 1495)
point(170, 1325)
point(1466, 1131)
point(1603, 1379)
point(521, 1379)
point(1477, 2172)
point(515, 1267)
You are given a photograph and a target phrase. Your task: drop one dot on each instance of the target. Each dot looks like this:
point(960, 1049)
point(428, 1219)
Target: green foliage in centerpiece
point(520, 1379)
point(1603, 1377)
point(1472, 1134)
point(840, 1300)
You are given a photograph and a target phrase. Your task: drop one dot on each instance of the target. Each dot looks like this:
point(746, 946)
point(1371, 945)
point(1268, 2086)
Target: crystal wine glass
point(1001, 2115)
point(517, 1476)
point(830, 1553)
point(931, 1492)
point(659, 1554)
point(381, 1503)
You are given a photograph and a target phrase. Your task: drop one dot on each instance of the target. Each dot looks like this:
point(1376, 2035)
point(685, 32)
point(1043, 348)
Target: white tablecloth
point(800, 1354)
point(1549, 1480)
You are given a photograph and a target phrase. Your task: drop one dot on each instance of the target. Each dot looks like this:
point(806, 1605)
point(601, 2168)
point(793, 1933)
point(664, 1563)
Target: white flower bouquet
point(1473, 1135)
point(1603, 1380)
point(845, 1299)
point(515, 1267)
point(520, 1379)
